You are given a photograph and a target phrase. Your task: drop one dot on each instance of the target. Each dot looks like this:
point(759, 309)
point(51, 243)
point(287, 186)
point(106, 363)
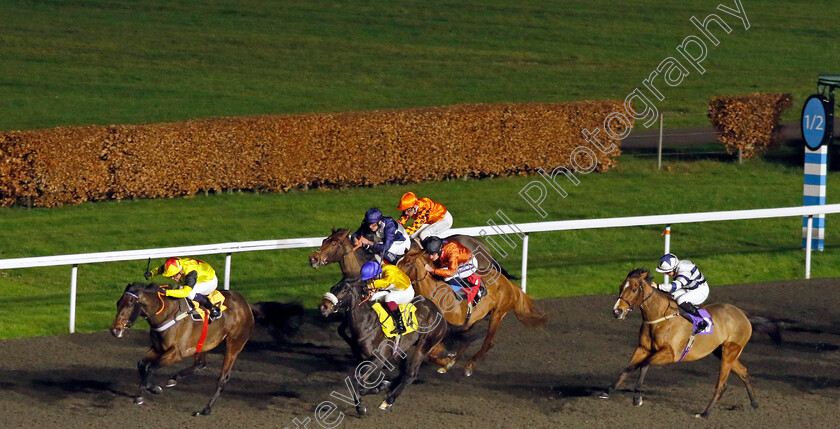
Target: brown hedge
point(748, 123)
point(70, 165)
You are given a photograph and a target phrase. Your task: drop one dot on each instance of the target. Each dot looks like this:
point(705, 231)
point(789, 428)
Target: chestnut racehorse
point(664, 335)
point(175, 336)
point(502, 297)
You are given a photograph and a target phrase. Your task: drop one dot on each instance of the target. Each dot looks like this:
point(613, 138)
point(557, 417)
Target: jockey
point(393, 241)
point(430, 218)
point(392, 286)
point(198, 280)
point(454, 262)
point(689, 287)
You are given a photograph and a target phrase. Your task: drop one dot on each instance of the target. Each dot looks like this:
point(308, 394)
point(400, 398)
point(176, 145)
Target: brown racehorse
point(351, 297)
point(664, 335)
point(175, 336)
point(502, 297)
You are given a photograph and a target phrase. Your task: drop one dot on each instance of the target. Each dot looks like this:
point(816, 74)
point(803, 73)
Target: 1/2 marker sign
point(817, 121)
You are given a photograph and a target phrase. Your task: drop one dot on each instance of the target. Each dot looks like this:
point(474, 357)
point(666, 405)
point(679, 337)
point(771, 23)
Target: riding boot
point(204, 302)
point(399, 326)
point(692, 309)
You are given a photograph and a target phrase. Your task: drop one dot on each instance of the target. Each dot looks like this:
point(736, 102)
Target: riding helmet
point(373, 215)
point(407, 201)
point(171, 267)
point(667, 263)
point(432, 245)
point(371, 270)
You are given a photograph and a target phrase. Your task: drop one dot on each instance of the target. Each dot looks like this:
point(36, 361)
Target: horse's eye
point(634, 289)
point(335, 244)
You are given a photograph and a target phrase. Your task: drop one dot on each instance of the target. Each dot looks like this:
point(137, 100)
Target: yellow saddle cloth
point(409, 316)
point(216, 298)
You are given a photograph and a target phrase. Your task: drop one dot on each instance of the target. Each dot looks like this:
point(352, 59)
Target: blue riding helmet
point(373, 215)
point(371, 270)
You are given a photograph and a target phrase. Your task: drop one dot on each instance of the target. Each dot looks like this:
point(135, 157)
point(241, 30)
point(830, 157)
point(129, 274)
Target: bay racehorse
point(502, 297)
point(664, 336)
point(175, 336)
point(376, 350)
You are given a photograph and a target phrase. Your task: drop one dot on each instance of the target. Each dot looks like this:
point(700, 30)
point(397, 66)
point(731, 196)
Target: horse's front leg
point(343, 332)
point(637, 392)
point(147, 366)
point(639, 356)
point(489, 341)
point(199, 364)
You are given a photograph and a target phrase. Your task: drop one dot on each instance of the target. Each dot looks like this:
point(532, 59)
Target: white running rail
point(524, 229)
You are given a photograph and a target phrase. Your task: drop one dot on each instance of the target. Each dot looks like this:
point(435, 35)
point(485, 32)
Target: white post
point(524, 260)
point(808, 235)
point(74, 274)
point(659, 152)
point(227, 271)
point(667, 235)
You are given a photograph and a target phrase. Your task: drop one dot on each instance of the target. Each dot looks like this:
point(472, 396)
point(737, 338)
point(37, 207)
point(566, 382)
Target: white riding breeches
point(694, 296)
point(204, 288)
point(437, 229)
point(399, 296)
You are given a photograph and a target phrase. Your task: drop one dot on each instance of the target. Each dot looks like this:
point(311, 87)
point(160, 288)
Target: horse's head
point(633, 292)
point(129, 307)
point(342, 297)
point(413, 264)
point(331, 250)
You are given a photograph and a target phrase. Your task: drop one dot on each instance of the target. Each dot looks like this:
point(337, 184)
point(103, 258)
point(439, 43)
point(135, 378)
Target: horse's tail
point(283, 320)
point(504, 271)
point(767, 326)
point(525, 311)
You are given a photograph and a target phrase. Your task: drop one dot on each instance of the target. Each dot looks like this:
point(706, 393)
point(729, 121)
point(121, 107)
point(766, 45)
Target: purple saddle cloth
point(695, 320)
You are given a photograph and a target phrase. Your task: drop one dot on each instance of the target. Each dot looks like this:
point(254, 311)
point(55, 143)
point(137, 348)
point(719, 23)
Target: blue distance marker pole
point(816, 125)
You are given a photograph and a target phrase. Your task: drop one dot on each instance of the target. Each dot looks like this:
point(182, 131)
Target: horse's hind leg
point(730, 353)
point(489, 341)
point(200, 363)
point(741, 371)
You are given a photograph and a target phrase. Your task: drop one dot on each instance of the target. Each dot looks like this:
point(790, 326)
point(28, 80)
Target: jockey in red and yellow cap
point(430, 218)
point(198, 280)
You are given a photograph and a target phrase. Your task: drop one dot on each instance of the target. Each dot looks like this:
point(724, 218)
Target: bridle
point(641, 290)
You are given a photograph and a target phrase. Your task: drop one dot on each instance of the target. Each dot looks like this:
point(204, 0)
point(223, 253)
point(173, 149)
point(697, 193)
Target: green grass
point(120, 61)
point(35, 301)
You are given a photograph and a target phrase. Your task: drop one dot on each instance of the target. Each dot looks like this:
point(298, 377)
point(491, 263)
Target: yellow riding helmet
point(407, 201)
point(171, 267)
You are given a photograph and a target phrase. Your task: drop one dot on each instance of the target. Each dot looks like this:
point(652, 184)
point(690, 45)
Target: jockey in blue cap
point(391, 241)
point(392, 286)
point(689, 287)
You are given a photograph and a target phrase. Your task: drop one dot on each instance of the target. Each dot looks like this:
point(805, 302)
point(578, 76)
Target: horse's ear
point(333, 231)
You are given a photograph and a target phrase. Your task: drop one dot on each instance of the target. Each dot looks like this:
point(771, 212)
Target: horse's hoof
point(139, 400)
point(441, 370)
point(604, 395)
point(157, 390)
point(702, 415)
point(171, 383)
point(385, 384)
point(637, 401)
point(754, 404)
point(384, 405)
point(204, 412)
point(450, 364)
point(468, 372)
point(361, 409)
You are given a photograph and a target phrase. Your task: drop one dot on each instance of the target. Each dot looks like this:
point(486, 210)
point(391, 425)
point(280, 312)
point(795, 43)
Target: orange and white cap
point(407, 201)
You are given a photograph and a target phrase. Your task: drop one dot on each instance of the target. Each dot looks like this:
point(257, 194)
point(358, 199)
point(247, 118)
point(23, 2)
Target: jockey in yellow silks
point(392, 286)
point(198, 280)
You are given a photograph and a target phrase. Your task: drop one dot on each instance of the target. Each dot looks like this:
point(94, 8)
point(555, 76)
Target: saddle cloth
point(198, 314)
point(409, 316)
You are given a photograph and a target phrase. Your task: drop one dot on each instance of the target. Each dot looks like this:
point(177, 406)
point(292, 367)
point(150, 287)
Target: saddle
point(408, 313)
point(198, 314)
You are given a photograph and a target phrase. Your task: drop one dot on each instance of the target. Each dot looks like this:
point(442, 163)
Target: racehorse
point(352, 298)
point(664, 336)
point(502, 297)
point(175, 336)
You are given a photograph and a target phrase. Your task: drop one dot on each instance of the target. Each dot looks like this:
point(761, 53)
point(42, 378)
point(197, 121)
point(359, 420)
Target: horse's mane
point(642, 274)
point(415, 253)
point(138, 287)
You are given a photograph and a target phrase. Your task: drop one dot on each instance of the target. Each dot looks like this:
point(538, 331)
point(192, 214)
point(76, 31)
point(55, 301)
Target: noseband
point(621, 298)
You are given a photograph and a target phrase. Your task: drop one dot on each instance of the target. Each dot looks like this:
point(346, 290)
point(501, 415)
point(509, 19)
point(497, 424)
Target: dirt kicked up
point(544, 378)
